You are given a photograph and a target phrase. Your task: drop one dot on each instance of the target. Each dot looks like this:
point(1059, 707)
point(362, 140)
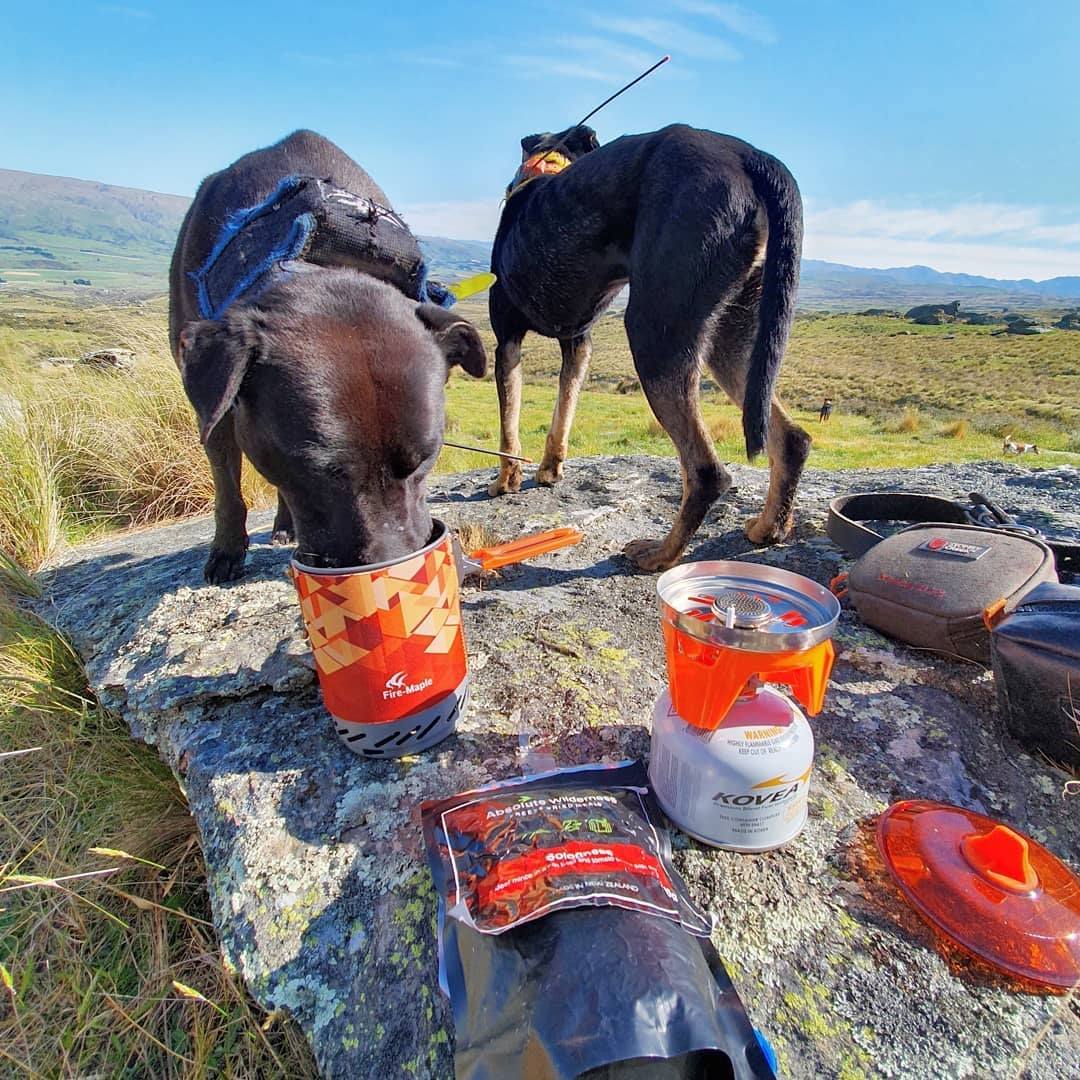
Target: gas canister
point(731, 754)
point(742, 785)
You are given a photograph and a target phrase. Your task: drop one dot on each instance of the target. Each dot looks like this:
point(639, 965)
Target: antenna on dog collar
point(663, 60)
point(516, 184)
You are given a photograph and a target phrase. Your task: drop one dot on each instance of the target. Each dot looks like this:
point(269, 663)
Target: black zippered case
point(1036, 658)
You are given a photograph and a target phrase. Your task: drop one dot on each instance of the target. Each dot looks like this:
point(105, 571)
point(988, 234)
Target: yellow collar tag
point(470, 286)
point(544, 163)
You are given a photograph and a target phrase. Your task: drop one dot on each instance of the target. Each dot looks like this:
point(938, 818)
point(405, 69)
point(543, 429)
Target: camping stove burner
point(776, 611)
point(749, 610)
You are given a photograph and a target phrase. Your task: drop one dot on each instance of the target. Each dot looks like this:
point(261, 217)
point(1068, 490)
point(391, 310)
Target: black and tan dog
point(327, 377)
point(707, 231)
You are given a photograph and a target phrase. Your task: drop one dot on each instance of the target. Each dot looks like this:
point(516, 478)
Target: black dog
point(330, 380)
point(825, 412)
point(708, 232)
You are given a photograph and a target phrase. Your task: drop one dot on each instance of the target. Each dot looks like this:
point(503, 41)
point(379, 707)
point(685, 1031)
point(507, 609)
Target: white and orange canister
point(732, 755)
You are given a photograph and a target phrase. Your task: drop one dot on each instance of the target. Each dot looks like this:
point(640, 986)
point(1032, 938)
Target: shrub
point(907, 423)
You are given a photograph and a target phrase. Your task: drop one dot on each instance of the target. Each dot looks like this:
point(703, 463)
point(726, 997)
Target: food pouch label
point(517, 855)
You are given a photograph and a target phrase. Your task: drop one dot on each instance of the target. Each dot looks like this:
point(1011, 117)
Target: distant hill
point(55, 228)
point(826, 285)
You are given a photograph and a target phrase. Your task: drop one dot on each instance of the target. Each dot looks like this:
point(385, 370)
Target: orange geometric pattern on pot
point(388, 642)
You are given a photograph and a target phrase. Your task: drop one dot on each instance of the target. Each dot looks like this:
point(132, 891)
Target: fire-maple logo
point(396, 686)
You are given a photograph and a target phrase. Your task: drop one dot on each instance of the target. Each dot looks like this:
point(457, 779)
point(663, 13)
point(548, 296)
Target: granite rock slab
point(320, 892)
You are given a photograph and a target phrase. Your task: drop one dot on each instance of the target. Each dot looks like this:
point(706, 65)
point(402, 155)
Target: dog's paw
point(761, 531)
point(224, 566)
point(507, 484)
point(648, 555)
point(283, 537)
point(549, 474)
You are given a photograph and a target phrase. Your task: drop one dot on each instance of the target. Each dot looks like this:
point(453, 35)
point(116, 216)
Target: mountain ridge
point(53, 228)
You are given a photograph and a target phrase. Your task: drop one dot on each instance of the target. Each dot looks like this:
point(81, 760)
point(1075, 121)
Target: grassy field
point(118, 974)
point(92, 454)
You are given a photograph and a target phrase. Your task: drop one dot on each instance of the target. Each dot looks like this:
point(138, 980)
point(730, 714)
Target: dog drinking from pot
point(707, 231)
point(298, 320)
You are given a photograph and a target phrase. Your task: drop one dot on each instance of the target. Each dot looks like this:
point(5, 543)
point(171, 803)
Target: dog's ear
point(581, 140)
point(459, 340)
point(212, 367)
point(530, 143)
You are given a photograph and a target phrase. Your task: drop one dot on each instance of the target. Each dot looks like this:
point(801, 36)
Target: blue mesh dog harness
point(309, 220)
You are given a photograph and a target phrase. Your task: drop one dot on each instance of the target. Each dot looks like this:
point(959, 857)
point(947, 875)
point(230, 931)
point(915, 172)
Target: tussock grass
point(96, 970)
point(89, 451)
point(473, 535)
point(85, 452)
point(958, 429)
point(906, 424)
point(726, 429)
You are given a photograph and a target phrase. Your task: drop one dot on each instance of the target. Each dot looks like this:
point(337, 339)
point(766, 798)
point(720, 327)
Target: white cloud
point(992, 239)
point(735, 17)
point(667, 35)
point(476, 220)
point(598, 48)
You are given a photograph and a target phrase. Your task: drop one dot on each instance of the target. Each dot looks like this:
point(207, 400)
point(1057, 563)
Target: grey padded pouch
point(930, 584)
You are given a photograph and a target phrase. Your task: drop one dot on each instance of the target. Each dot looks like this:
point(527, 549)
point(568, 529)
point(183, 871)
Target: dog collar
point(543, 163)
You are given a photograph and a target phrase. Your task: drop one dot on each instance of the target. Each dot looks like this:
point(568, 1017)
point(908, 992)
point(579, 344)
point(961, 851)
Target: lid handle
point(1001, 857)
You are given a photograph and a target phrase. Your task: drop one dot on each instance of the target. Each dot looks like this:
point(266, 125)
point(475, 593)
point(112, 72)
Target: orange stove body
point(706, 679)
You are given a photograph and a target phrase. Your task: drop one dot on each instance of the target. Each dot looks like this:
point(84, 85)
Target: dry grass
point(958, 429)
point(726, 429)
point(116, 974)
point(474, 535)
point(86, 452)
point(91, 451)
point(907, 423)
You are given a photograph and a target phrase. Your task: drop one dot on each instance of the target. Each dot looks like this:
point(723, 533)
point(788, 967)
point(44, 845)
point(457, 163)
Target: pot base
point(409, 735)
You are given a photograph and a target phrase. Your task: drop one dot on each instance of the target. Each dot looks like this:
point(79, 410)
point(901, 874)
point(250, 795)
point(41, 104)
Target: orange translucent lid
point(991, 890)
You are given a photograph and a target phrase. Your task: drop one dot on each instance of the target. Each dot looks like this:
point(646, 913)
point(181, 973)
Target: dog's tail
point(779, 195)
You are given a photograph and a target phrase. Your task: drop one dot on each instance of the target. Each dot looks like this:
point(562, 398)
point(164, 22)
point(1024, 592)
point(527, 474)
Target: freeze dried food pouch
point(568, 944)
point(515, 851)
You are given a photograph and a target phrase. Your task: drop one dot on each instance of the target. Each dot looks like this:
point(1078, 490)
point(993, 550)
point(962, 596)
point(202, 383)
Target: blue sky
point(919, 132)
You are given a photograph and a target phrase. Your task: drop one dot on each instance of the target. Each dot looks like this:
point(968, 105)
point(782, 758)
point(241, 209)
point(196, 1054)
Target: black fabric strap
point(848, 512)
